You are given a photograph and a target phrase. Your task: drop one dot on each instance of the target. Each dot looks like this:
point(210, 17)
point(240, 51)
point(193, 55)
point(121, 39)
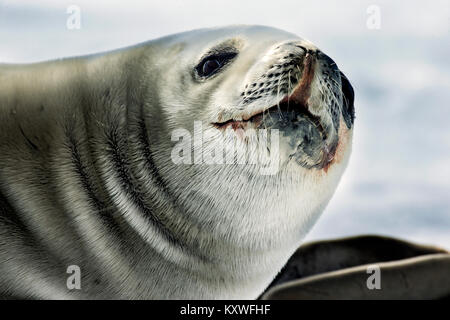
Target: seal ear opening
point(348, 95)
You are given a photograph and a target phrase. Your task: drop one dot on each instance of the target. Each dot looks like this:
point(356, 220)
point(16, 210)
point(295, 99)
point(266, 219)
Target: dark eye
point(212, 64)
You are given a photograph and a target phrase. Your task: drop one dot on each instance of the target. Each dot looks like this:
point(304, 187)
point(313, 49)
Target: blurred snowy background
point(398, 180)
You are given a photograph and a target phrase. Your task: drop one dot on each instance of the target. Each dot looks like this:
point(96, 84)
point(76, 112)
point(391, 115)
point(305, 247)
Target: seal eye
point(210, 66)
point(213, 63)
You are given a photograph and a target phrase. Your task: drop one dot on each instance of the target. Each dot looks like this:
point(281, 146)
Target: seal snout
point(300, 91)
point(287, 82)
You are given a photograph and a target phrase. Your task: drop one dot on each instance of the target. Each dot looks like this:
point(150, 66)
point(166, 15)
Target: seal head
point(275, 82)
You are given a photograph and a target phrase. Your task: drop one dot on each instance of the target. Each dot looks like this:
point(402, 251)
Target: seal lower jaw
point(307, 136)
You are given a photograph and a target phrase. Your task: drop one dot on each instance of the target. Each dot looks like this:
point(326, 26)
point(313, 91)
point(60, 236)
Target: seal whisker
point(338, 84)
point(289, 89)
point(278, 97)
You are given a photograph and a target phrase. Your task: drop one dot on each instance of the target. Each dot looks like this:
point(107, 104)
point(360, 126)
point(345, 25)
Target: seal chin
point(307, 135)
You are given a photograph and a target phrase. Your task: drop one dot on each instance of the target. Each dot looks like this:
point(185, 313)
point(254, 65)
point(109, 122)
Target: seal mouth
point(286, 105)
